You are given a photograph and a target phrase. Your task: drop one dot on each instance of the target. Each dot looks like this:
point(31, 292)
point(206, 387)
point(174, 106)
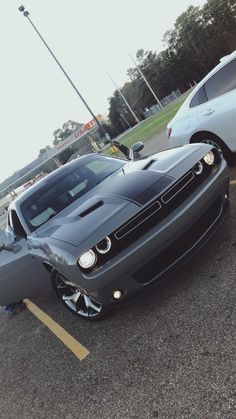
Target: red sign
point(87, 127)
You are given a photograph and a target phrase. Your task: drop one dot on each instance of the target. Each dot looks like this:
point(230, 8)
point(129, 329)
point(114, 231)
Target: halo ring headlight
point(198, 168)
point(103, 246)
point(209, 158)
point(88, 259)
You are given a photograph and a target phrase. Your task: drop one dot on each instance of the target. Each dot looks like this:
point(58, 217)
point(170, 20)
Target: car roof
point(223, 61)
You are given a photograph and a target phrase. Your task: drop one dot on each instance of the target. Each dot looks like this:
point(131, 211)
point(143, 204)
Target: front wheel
point(74, 300)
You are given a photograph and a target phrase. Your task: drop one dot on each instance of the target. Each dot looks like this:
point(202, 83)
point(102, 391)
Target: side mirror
point(130, 153)
point(137, 147)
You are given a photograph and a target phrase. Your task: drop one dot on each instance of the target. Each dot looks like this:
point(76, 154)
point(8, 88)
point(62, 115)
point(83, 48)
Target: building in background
point(81, 141)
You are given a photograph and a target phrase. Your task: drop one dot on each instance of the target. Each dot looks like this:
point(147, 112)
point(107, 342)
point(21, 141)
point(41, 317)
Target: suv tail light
point(169, 131)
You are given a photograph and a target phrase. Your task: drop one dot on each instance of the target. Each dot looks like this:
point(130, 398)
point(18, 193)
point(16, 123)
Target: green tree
point(67, 129)
point(199, 38)
point(220, 21)
point(44, 150)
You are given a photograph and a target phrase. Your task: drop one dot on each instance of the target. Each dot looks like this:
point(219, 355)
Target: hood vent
point(148, 164)
point(91, 208)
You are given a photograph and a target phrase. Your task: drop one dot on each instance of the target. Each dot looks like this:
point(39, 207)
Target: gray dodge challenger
point(102, 230)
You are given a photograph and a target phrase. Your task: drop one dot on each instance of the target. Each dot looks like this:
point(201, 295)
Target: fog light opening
point(117, 295)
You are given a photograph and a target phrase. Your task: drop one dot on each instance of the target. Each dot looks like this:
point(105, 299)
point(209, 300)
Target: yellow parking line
point(233, 182)
point(78, 350)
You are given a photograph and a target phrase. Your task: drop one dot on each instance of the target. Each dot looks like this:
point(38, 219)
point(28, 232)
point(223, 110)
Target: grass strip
point(151, 126)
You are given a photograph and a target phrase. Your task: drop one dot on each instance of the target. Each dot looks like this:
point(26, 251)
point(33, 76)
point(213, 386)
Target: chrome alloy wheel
point(81, 304)
point(214, 144)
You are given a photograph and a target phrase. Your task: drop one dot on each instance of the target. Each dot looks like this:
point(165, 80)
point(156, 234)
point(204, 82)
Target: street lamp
point(124, 99)
point(146, 82)
point(26, 14)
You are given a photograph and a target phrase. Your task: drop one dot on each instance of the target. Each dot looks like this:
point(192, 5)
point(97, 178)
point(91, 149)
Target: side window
point(222, 82)
point(198, 98)
point(15, 224)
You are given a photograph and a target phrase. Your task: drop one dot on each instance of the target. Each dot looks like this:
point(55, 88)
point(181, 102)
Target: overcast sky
point(88, 37)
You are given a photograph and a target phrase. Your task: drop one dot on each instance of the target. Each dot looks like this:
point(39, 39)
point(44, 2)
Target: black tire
point(77, 302)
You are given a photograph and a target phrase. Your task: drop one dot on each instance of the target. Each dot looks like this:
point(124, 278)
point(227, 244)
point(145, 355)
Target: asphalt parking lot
point(169, 355)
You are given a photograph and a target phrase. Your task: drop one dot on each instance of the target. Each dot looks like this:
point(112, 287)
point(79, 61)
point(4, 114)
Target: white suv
point(209, 112)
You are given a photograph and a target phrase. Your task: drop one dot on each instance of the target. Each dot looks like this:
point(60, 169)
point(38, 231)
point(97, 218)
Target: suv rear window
point(222, 82)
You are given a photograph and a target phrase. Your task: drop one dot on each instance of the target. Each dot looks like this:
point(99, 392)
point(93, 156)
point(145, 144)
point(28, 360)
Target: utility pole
point(26, 14)
point(121, 94)
point(146, 82)
point(127, 122)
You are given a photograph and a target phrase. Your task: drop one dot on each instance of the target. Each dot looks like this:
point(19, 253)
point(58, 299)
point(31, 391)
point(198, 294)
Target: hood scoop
point(91, 208)
point(146, 167)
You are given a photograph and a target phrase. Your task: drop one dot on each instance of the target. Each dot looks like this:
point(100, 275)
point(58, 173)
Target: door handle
point(208, 112)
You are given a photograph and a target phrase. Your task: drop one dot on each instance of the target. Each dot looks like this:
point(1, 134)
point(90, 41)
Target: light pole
point(26, 14)
point(125, 120)
point(146, 82)
point(124, 99)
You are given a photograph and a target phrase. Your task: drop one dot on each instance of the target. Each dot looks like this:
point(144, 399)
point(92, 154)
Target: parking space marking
point(233, 182)
point(78, 350)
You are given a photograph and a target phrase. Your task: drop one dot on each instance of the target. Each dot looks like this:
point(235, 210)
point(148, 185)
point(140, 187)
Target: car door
point(218, 113)
point(21, 275)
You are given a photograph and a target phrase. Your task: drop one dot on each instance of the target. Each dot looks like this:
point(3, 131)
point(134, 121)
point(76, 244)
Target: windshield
point(66, 186)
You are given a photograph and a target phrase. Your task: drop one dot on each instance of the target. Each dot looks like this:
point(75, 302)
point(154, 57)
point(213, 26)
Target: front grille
point(180, 247)
point(138, 220)
point(177, 188)
point(159, 209)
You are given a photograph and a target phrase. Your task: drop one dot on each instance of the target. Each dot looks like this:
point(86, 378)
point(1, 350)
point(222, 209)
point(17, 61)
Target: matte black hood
point(139, 186)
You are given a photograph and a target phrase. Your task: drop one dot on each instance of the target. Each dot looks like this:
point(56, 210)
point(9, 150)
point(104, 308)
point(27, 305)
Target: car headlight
point(103, 246)
point(198, 168)
point(209, 158)
point(87, 259)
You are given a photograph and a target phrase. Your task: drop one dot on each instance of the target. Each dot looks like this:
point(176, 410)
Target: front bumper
point(157, 253)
